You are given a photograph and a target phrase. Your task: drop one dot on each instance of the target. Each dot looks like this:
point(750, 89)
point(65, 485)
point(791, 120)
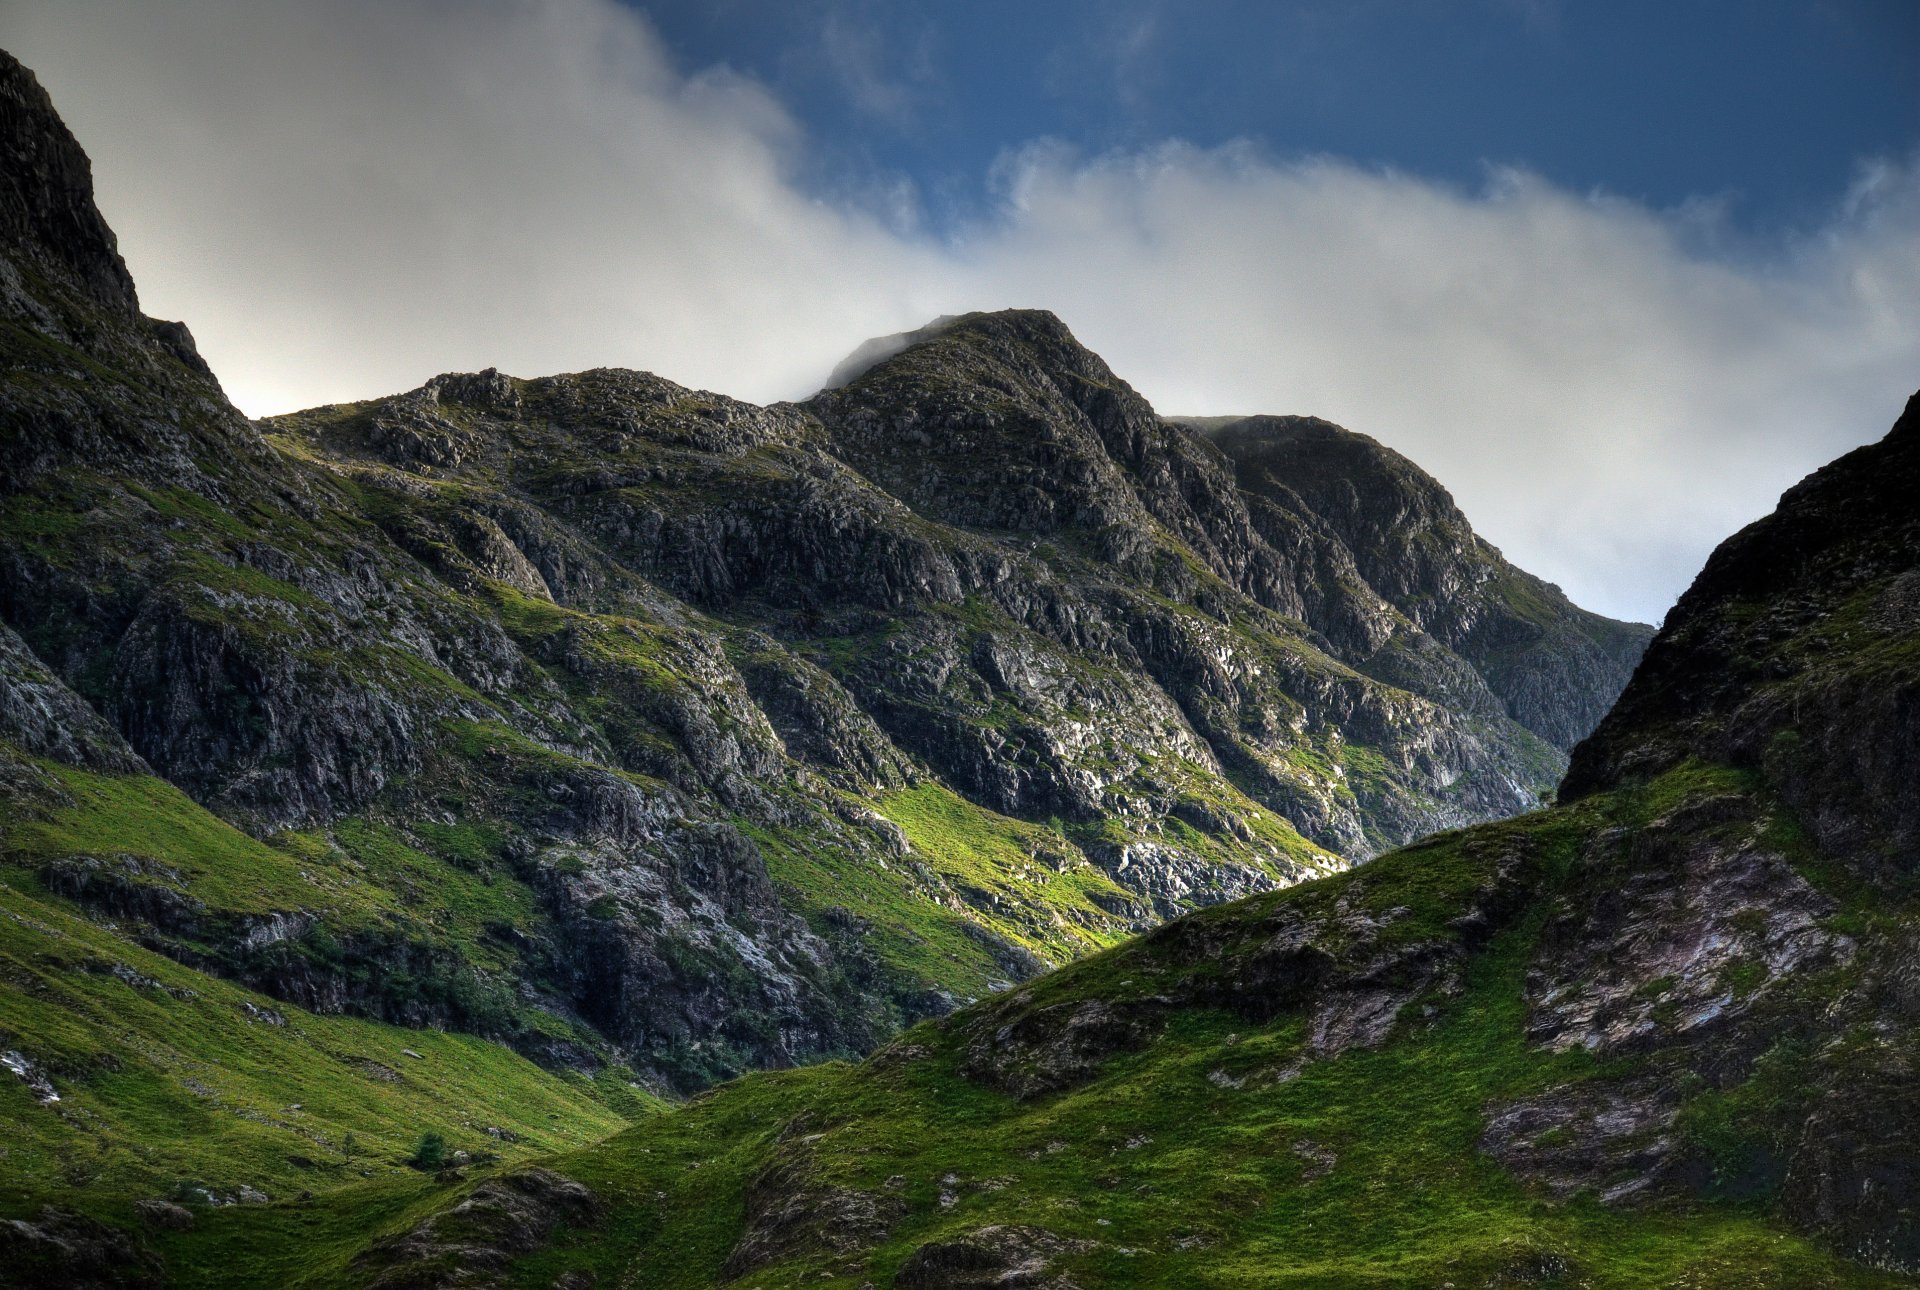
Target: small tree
point(430, 1154)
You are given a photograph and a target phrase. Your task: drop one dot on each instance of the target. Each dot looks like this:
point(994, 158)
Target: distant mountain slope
point(1665, 1033)
point(1552, 666)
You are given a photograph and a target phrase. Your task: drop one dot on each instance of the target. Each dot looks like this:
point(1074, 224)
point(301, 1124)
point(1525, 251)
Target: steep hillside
point(637, 727)
point(1664, 1033)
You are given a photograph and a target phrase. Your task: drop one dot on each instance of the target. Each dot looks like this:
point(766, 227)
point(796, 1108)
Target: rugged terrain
point(645, 730)
point(493, 757)
point(1666, 1032)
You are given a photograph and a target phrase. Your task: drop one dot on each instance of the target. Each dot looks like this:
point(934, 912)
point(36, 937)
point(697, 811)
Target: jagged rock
point(164, 1213)
point(29, 1073)
point(1674, 930)
point(790, 1211)
point(46, 202)
point(46, 719)
point(1049, 1049)
point(1360, 513)
point(1854, 1170)
point(1614, 1138)
point(128, 886)
point(1353, 967)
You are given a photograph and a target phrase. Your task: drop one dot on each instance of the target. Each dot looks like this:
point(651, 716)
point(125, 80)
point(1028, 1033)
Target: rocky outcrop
point(1732, 931)
point(1028, 1053)
point(1792, 654)
point(46, 194)
point(996, 1255)
point(474, 1242)
point(1616, 1140)
point(790, 1210)
point(1674, 930)
point(42, 717)
point(59, 1247)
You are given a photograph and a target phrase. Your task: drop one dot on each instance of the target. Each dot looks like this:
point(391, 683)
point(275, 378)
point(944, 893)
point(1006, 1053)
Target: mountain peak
point(1017, 325)
point(46, 193)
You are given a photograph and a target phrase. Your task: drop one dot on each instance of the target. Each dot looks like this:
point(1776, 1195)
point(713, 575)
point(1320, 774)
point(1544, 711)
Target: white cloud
point(345, 198)
point(1603, 403)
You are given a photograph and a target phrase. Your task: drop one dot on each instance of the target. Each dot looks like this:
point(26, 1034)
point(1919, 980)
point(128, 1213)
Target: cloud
point(344, 198)
point(1604, 402)
point(889, 86)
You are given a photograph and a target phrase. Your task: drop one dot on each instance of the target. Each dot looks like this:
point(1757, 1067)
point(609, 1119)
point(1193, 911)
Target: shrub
point(430, 1155)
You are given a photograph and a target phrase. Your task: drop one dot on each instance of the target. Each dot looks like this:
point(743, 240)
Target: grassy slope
point(439, 887)
point(1201, 1160)
point(170, 1078)
point(165, 1078)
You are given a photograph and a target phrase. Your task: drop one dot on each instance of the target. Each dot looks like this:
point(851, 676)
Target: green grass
point(402, 919)
point(1205, 1159)
point(168, 1076)
point(360, 875)
point(106, 815)
point(1021, 881)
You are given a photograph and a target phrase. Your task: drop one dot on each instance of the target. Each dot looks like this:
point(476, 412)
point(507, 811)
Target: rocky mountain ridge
point(1549, 665)
point(630, 723)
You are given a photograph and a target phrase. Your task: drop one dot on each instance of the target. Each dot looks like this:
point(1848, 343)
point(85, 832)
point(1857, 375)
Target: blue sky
point(1765, 105)
point(1617, 272)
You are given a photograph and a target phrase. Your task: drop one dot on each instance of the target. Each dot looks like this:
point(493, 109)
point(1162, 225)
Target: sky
point(1616, 272)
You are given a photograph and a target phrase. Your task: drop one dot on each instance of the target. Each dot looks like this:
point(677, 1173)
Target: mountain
point(634, 725)
point(1666, 1032)
point(498, 755)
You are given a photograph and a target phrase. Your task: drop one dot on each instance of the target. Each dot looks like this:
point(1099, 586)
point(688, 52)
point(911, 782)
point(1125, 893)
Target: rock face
point(628, 723)
point(46, 195)
point(57, 1247)
point(1793, 654)
point(1674, 931)
point(1795, 657)
point(997, 1255)
point(474, 1242)
point(1407, 591)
